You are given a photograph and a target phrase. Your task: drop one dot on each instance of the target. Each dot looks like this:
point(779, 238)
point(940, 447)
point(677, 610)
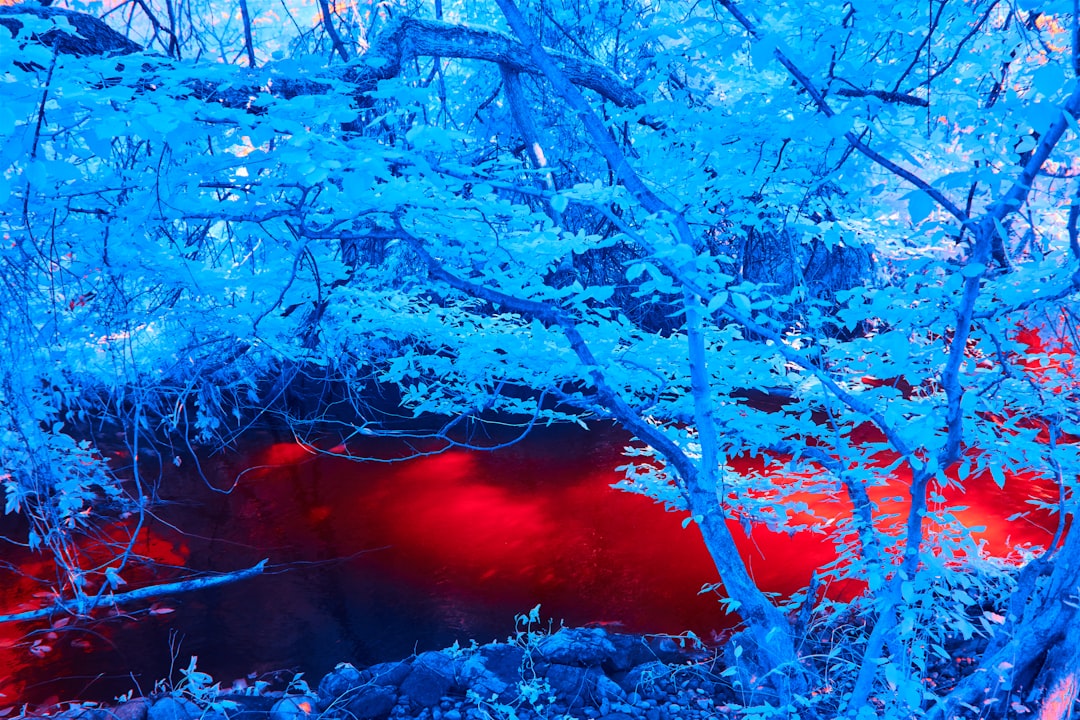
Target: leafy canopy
point(839, 237)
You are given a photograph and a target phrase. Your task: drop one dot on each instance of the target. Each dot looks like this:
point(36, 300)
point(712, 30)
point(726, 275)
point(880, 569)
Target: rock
point(475, 677)
point(577, 646)
point(338, 682)
point(674, 652)
point(80, 712)
point(698, 678)
point(131, 710)
point(390, 674)
point(431, 677)
point(247, 707)
point(494, 670)
point(504, 661)
point(646, 678)
point(592, 675)
point(608, 689)
point(170, 708)
point(630, 650)
point(375, 701)
point(294, 707)
point(574, 685)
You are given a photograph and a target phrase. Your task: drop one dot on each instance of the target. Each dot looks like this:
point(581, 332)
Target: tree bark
point(1060, 677)
point(249, 43)
point(335, 38)
point(403, 40)
point(770, 631)
point(407, 38)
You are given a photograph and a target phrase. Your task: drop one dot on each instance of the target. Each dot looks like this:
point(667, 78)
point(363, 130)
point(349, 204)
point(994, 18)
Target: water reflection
point(371, 562)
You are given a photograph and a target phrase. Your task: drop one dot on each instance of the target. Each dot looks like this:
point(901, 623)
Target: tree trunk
point(1059, 679)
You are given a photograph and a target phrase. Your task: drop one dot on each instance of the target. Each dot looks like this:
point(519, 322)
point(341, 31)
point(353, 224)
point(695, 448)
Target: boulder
point(607, 689)
point(630, 650)
point(573, 685)
point(135, 709)
point(212, 713)
point(475, 676)
point(675, 651)
point(390, 674)
point(247, 707)
point(430, 678)
point(338, 682)
point(80, 712)
point(372, 702)
point(295, 707)
point(170, 708)
point(647, 679)
point(577, 646)
point(503, 661)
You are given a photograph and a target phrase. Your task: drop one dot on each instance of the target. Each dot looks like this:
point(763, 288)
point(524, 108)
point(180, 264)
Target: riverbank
point(584, 673)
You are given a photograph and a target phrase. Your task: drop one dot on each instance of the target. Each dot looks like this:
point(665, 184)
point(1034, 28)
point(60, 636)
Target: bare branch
point(885, 95)
point(407, 38)
point(83, 606)
point(823, 106)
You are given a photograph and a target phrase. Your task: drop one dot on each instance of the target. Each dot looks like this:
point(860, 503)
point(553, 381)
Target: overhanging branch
point(885, 96)
point(403, 40)
point(408, 38)
point(82, 606)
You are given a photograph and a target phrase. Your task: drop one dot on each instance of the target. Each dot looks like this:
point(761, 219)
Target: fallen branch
point(401, 42)
point(408, 38)
point(85, 605)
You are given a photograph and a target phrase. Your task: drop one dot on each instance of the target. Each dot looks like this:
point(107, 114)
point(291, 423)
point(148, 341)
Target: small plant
point(196, 684)
point(298, 686)
point(534, 693)
point(198, 687)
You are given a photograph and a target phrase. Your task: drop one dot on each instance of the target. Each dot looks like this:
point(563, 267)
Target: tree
point(838, 238)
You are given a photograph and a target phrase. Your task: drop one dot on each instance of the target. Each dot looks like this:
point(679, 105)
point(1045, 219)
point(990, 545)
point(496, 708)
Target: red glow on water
point(570, 543)
point(520, 529)
point(465, 540)
point(44, 648)
point(277, 455)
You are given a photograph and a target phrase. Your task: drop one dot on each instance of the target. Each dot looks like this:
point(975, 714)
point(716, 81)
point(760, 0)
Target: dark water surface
point(371, 562)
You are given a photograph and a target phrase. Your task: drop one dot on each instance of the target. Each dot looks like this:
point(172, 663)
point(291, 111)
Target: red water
point(371, 561)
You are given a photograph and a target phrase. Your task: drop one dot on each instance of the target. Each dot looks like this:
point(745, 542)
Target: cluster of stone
point(583, 673)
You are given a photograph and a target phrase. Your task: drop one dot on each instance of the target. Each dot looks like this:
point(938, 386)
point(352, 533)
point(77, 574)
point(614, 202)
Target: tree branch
point(403, 40)
point(82, 606)
point(407, 38)
point(249, 44)
point(885, 95)
point(853, 140)
point(328, 23)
